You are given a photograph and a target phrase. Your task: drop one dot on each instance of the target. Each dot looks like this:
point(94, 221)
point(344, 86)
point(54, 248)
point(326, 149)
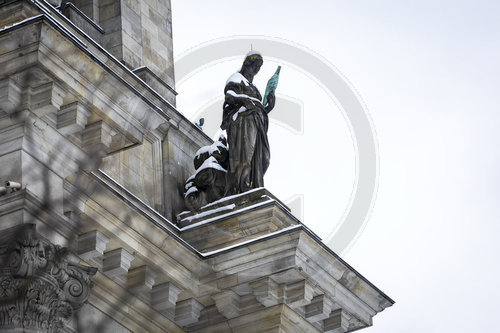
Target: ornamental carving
point(40, 285)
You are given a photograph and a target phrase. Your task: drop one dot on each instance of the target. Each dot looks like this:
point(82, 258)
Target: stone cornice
point(135, 314)
point(125, 79)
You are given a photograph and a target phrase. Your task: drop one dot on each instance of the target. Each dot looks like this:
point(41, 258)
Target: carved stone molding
point(40, 286)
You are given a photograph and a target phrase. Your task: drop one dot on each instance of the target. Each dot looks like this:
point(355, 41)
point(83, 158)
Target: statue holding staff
point(246, 122)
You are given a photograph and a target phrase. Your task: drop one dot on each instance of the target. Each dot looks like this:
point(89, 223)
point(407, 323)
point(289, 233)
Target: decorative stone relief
point(40, 287)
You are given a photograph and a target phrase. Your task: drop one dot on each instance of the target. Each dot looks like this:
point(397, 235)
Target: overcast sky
point(429, 74)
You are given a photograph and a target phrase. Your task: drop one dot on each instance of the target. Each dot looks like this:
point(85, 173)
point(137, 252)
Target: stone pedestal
point(235, 219)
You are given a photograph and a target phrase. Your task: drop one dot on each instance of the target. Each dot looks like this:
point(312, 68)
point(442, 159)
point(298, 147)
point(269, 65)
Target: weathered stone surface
point(236, 219)
point(228, 303)
point(10, 95)
point(46, 98)
point(97, 134)
point(72, 118)
point(139, 169)
point(140, 281)
point(319, 308)
point(187, 312)
point(143, 29)
point(299, 293)
point(337, 322)
point(85, 15)
point(91, 245)
point(130, 312)
point(164, 297)
point(157, 83)
point(115, 264)
point(91, 319)
point(279, 318)
point(267, 291)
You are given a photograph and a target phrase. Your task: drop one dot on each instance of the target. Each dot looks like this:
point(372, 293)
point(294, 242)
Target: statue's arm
point(235, 97)
point(271, 99)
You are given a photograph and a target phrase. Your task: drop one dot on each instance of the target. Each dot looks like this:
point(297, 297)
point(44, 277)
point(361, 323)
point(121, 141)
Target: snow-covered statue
point(222, 170)
point(246, 122)
point(209, 181)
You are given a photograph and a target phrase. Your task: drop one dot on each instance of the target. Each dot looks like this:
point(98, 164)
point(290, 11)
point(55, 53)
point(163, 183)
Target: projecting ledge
point(235, 219)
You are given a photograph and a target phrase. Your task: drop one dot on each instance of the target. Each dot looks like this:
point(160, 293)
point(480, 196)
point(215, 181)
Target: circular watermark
point(344, 233)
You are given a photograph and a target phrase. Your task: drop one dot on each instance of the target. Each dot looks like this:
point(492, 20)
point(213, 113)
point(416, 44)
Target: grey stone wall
point(139, 33)
point(139, 170)
point(90, 319)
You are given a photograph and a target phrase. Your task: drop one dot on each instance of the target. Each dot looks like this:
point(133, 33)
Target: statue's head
point(253, 62)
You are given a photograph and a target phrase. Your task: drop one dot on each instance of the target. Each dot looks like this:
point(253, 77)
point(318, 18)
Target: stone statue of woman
point(246, 122)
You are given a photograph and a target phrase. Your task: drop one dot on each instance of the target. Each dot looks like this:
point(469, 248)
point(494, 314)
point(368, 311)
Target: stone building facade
point(93, 159)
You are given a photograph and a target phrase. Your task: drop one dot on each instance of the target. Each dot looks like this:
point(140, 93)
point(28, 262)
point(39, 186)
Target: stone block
point(299, 294)
point(115, 264)
point(89, 8)
point(10, 95)
point(97, 134)
point(319, 308)
point(91, 245)
point(154, 81)
point(72, 118)
point(164, 297)
point(227, 281)
point(337, 322)
point(131, 23)
point(228, 303)
point(140, 281)
point(109, 9)
point(134, 5)
point(84, 14)
point(187, 312)
point(113, 30)
point(46, 98)
point(132, 52)
point(267, 291)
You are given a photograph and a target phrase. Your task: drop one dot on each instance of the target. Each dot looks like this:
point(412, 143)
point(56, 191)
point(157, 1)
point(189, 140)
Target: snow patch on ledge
point(33, 18)
point(184, 212)
point(209, 212)
point(231, 197)
point(215, 218)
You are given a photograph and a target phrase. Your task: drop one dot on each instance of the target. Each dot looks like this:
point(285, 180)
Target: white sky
point(429, 73)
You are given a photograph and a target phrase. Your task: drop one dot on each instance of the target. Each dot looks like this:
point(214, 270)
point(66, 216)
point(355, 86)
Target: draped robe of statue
point(246, 124)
